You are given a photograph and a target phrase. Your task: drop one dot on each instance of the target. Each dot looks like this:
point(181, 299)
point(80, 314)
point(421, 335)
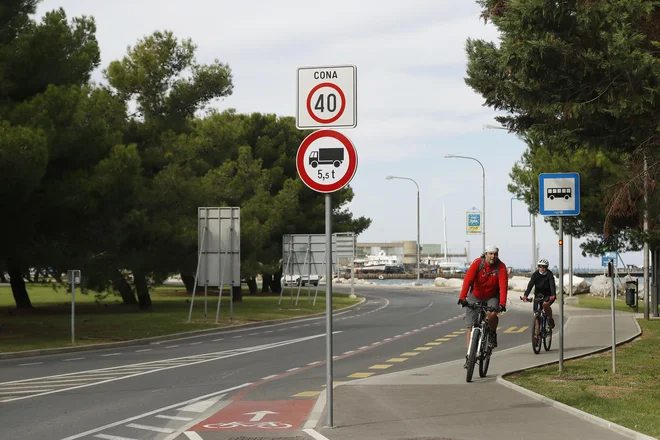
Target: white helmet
point(491, 248)
point(543, 262)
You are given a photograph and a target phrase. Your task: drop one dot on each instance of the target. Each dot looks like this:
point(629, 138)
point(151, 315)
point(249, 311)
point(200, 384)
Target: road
point(262, 380)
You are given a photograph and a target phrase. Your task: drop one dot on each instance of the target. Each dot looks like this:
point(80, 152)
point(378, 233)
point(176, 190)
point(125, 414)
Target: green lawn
point(49, 324)
point(594, 302)
point(630, 397)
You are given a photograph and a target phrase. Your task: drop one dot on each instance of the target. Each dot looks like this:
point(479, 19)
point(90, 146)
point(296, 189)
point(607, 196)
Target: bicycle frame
point(479, 336)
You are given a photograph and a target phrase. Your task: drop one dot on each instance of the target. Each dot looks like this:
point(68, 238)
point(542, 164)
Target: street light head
point(449, 156)
point(389, 177)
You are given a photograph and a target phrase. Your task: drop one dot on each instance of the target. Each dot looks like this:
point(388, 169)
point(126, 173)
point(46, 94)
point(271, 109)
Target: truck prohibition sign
point(326, 161)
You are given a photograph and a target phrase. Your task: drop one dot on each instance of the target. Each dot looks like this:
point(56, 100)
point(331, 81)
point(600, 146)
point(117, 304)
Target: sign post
point(559, 196)
point(73, 276)
point(327, 160)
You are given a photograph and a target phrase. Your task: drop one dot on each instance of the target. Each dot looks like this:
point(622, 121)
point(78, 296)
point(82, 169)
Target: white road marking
point(156, 411)
point(201, 406)
point(171, 346)
point(72, 359)
point(183, 419)
point(151, 428)
point(112, 437)
point(293, 369)
point(269, 377)
point(111, 354)
point(315, 435)
point(192, 435)
point(31, 363)
point(143, 350)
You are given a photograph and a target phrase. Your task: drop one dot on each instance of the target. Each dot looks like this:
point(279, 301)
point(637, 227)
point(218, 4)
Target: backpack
point(495, 270)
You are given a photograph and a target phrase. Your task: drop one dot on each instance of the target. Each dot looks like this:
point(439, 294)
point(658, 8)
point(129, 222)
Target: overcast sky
point(413, 105)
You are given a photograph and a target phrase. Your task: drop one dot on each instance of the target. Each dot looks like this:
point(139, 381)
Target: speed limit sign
point(327, 97)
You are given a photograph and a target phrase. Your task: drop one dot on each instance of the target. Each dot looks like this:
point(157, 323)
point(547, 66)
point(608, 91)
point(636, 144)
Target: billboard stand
point(222, 283)
point(219, 252)
point(199, 260)
point(285, 272)
point(300, 281)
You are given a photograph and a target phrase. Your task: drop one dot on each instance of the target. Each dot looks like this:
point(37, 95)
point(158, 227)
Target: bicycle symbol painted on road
point(261, 425)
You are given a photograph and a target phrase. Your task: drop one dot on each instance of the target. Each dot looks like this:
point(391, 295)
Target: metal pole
point(535, 258)
point(647, 290)
point(418, 243)
point(483, 206)
point(570, 265)
point(561, 295)
point(328, 305)
point(73, 307)
point(611, 271)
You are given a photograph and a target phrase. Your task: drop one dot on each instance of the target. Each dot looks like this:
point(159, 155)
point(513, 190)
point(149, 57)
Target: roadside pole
point(327, 161)
point(610, 273)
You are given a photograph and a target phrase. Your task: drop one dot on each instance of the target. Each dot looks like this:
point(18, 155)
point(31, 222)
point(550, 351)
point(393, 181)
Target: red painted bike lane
point(259, 415)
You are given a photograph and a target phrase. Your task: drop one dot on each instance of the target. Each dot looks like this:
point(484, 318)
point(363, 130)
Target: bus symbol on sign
point(559, 192)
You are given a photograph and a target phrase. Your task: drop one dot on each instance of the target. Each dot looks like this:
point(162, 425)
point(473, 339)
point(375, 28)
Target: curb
point(145, 341)
point(576, 412)
point(630, 433)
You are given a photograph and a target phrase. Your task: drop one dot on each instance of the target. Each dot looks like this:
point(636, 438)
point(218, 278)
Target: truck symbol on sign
point(559, 192)
point(326, 156)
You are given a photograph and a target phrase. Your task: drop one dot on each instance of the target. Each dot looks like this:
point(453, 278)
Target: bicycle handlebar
point(530, 300)
point(483, 306)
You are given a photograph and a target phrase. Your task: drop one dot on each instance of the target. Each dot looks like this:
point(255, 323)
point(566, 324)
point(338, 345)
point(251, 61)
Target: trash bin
point(631, 294)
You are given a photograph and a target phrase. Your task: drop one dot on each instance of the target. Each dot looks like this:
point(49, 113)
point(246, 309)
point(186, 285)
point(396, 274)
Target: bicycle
point(540, 330)
point(479, 348)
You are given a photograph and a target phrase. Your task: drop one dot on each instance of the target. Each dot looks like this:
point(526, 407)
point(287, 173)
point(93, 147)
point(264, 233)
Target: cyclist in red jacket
point(485, 280)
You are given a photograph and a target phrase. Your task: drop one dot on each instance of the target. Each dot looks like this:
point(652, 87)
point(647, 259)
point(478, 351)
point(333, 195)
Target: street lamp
point(418, 243)
point(483, 195)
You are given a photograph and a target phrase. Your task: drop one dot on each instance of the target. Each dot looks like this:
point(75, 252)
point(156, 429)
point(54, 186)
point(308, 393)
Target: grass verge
point(630, 397)
point(48, 325)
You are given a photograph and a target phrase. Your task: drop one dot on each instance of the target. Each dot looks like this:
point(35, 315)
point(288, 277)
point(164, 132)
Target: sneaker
point(492, 341)
point(551, 323)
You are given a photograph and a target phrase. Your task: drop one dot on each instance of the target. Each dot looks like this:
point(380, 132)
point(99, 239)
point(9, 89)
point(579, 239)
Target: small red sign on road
point(258, 415)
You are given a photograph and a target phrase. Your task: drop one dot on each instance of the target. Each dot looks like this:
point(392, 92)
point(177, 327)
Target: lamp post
point(483, 195)
point(418, 243)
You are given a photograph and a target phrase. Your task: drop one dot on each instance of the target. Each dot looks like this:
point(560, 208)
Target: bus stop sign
point(559, 194)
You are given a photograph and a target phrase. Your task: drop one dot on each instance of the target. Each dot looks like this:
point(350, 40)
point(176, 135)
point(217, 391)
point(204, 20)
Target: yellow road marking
point(443, 339)
point(379, 367)
point(361, 375)
point(460, 332)
point(334, 382)
point(423, 348)
point(409, 353)
point(450, 336)
point(513, 329)
point(433, 343)
point(307, 394)
point(397, 359)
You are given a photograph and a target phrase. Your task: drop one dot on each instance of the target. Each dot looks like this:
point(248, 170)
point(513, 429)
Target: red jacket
point(486, 282)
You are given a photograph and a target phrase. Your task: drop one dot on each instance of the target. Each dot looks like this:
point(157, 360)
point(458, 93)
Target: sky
point(413, 106)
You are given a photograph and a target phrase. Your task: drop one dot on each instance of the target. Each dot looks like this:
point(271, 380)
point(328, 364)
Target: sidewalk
point(435, 402)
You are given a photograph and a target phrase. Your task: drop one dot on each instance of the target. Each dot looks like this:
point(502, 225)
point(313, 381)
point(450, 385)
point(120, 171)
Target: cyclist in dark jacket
point(543, 282)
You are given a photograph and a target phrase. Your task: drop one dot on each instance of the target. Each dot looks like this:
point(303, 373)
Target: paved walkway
point(435, 402)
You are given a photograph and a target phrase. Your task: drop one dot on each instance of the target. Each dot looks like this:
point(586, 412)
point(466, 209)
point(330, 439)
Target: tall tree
point(579, 82)
point(162, 79)
point(52, 58)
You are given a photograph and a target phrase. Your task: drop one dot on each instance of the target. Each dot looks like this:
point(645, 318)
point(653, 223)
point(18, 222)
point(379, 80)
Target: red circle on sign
point(300, 161)
point(341, 109)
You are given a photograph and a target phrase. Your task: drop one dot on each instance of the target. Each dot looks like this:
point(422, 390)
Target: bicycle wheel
point(547, 340)
point(484, 358)
point(536, 335)
point(472, 356)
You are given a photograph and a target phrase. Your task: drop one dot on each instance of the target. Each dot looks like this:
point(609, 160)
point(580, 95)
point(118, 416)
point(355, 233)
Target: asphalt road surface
point(229, 385)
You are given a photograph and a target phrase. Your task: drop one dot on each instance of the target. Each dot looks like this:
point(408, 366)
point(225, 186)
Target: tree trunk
point(120, 284)
point(237, 293)
point(18, 285)
point(252, 285)
point(140, 280)
point(267, 281)
point(188, 281)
